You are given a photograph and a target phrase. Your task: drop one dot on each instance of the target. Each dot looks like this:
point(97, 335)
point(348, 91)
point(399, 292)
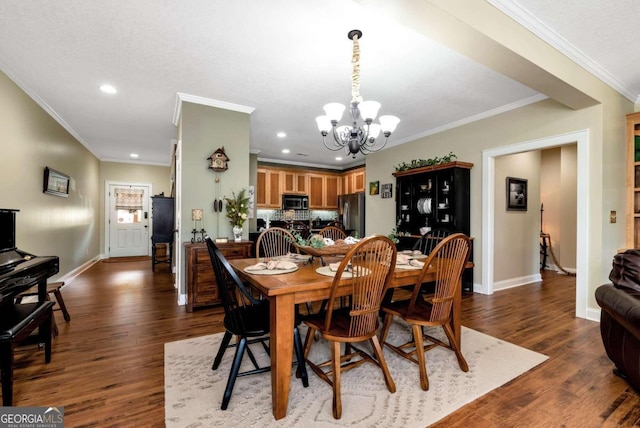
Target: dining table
point(285, 290)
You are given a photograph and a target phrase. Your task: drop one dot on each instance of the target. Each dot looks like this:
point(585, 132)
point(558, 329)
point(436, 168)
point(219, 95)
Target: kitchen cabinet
point(352, 181)
point(295, 182)
point(201, 286)
point(322, 187)
point(323, 191)
point(633, 181)
point(437, 197)
point(269, 188)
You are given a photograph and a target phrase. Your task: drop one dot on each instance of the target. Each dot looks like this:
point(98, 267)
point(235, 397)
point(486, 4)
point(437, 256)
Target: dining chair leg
point(377, 349)
point(233, 374)
point(308, 341)
point(335, 362)
point(226, 339)
point(461, 361)
point(385, 328)
point(301, 371)
point(422, 359)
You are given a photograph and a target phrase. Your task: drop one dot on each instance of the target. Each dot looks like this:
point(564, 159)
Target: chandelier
point(356, 137)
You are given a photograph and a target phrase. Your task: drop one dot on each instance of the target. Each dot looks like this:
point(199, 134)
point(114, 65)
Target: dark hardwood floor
point(107, 364)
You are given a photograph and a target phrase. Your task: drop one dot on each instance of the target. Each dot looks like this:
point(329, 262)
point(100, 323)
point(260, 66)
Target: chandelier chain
point(355, 75)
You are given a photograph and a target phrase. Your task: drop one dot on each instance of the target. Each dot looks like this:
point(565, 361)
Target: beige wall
point(157, 176)
point(517, 233)
point(47, 225)
point(204, 129)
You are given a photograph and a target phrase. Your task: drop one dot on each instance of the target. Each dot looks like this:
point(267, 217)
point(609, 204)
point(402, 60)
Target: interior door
point(128, 220)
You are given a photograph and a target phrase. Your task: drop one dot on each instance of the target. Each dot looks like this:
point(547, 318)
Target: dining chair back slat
point(274, 242)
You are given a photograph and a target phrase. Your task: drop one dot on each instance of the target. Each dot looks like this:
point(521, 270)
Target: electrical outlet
point(612, 216)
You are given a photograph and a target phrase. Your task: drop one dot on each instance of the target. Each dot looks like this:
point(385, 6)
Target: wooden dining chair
point(274, 242)
point(429, 240)
point(449, 258)
point(299, 227)
point(365, 270)
point(248, 319)
point(332, 232)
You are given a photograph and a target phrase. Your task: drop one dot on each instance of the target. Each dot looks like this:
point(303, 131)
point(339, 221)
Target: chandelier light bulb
point(324, 124)
point(334, 111)
point(369, 110)
point(388, 123)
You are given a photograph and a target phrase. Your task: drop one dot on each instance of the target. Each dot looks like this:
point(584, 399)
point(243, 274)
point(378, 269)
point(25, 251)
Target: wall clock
point(218, 160)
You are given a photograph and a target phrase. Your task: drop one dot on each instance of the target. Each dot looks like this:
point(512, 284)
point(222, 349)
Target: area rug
point(193, 392)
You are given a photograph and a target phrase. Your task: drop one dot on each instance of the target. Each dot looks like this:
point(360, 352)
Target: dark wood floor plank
point(107, 367)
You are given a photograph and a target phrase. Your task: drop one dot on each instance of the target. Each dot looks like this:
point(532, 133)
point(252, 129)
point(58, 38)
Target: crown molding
point(470, 119)
point(525, 18)
point(196, 99)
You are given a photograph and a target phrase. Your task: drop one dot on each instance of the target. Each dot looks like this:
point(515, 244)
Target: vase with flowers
point(238, 212)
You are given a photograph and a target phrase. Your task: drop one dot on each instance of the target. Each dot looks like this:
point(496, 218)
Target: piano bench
point(17, 322)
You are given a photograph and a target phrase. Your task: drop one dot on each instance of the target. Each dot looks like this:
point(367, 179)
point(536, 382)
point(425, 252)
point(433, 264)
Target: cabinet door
point(294, 182)
point(358, 181)
point(331, 191)
point(269, 192)
point(316, 191)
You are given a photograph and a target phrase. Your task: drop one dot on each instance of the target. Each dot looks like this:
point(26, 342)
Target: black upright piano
point(19, 271)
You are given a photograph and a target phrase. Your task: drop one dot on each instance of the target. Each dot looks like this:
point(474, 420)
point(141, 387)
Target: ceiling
point(283, 58)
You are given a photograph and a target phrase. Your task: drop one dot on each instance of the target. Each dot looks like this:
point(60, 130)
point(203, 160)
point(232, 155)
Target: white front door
point(128, 224)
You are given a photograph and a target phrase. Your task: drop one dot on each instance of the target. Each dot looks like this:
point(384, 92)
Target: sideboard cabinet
point(202, 289)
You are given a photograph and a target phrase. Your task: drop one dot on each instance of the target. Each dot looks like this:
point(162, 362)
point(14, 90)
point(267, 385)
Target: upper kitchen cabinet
point(295, 182)
point(323, 191)
point(269, 191)
point(435, 197)
point(352, 181)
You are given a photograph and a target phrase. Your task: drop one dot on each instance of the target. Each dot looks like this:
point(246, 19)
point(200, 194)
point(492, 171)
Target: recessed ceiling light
point(134, 155)
point(338, 158)
point(285, 151)
point(281, 134)
point(108, 89)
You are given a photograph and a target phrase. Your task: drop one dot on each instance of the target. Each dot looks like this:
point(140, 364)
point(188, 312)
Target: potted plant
point(238, 212)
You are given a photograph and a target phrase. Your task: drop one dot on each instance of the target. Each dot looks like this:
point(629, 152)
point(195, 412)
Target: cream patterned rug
point(193, 392)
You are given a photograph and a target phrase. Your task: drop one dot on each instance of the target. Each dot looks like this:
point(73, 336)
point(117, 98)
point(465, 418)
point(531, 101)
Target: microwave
point(295, 202)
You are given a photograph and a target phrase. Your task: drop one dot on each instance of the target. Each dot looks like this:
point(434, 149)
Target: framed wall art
point(386, 191)
point(374, 187)
point(55, 182)
point(516, 194)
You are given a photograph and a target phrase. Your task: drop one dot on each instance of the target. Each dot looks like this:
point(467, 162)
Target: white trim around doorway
point(581, 138)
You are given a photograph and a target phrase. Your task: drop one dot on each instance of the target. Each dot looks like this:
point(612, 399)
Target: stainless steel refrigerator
point(351, 211)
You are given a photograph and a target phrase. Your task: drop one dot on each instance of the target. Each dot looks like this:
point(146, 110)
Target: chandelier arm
point(334, 148)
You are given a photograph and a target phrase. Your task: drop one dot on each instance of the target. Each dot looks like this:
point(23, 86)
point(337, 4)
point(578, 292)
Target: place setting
point(410, 260)
point(332, 268)
point(272, 267)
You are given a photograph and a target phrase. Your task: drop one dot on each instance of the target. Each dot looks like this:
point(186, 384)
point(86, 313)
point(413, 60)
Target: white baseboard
point(70, 276)
point(593, 314)
point(516, 282)
point(182, 299)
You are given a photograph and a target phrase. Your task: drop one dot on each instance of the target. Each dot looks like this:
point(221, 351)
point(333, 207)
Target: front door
point(128, 220)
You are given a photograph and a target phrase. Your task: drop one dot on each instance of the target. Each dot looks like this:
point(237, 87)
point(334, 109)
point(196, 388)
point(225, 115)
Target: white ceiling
point(285, 59)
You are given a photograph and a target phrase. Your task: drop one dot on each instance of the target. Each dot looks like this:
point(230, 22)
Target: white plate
point(271, 271)
point(408, 267)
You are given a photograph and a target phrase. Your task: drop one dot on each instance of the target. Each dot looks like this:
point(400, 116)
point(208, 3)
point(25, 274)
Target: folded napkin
point(351, 240)
point(259, 266)
point(402, 259)
point(412, 252)
point(334, 266)
point(416, 263)
point(272, 265)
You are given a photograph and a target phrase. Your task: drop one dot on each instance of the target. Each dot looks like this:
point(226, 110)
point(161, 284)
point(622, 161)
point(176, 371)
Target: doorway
point(581, 138)
point(127, 219)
